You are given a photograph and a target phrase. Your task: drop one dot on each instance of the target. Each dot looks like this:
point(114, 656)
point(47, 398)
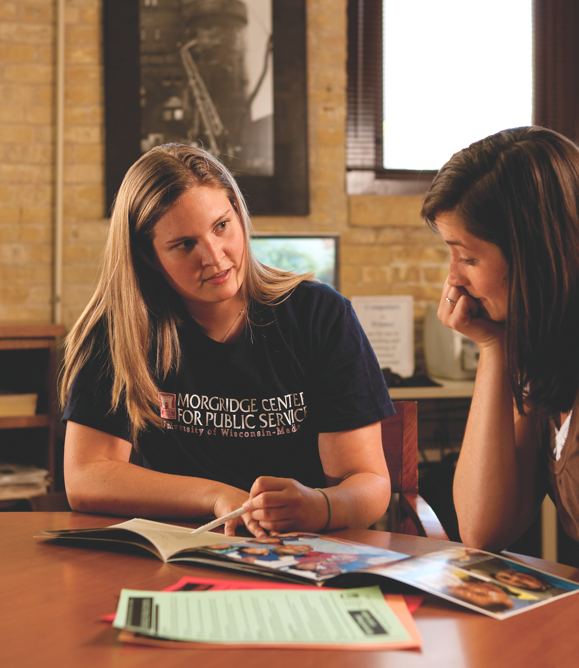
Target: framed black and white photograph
point(227, 75)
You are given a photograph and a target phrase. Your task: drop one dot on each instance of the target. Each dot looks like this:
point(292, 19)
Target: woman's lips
point(219, 278)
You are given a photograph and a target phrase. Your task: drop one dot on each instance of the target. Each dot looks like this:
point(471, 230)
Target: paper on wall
point(389, 325)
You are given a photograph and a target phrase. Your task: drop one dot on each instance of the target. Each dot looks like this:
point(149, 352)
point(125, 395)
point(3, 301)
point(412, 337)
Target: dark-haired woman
point(507, 207)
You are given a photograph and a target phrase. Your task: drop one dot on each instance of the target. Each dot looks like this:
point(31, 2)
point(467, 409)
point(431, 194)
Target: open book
point(491, 584)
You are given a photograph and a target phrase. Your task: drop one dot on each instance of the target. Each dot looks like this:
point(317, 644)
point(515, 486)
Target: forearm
point(492, 486)
point(121, 488)
point(358, 501)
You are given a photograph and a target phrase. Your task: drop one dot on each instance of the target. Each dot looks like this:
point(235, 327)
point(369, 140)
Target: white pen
point(218, 521)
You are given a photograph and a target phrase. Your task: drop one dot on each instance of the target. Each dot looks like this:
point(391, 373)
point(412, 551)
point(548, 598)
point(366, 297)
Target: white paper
point(389, 325)
point(347, 617)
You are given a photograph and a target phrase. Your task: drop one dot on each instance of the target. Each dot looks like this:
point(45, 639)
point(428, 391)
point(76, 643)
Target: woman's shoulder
point(316, 295)
point(313, 308)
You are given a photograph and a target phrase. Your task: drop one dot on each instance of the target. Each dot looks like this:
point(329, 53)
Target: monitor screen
point(300, 253)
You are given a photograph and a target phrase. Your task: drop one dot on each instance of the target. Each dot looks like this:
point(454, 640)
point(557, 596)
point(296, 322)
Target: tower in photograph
point(216, 39)
point(162, 77)
point(195, 85)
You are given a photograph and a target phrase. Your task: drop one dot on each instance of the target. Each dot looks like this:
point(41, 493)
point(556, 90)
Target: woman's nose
point(210, 253)
point(454, 277)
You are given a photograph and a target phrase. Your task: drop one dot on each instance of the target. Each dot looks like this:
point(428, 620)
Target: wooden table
point(53, 596)
point(447, 389)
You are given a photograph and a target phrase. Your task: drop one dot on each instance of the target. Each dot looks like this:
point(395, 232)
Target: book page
point(297, 554)
point(353, 618)
point(171, 538)
point(307, 556)
point(160, 538)
point(492, 584)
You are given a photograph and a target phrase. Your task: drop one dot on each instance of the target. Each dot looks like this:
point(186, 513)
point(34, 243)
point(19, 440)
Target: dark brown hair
point(519, 189)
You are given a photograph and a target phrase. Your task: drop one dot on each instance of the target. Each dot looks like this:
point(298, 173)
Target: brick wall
point(26, 155)
point(385, 246)
point(85, 226)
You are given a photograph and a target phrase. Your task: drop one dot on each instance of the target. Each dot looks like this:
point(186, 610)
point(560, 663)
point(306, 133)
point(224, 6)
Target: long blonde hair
point(132, 303)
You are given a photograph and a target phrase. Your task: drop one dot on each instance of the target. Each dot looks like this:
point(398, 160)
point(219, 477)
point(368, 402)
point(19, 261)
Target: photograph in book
point(305, 556)
point(485, 582)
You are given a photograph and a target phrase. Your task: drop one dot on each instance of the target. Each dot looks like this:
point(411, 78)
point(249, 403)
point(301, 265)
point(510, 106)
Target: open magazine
point(494, 585)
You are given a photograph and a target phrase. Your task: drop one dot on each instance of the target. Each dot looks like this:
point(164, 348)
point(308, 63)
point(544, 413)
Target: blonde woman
point(235, 382)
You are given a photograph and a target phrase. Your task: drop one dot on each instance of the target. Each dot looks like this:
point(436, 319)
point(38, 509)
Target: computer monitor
point(300, 253)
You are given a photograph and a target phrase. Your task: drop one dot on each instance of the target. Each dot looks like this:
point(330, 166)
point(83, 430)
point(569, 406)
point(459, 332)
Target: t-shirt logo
point(233, 417)
point(168, 405)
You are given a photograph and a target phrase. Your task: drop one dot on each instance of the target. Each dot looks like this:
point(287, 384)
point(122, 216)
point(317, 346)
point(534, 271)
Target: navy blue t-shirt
point(255, 406)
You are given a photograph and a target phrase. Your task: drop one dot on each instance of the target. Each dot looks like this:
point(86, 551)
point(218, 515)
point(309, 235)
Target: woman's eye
point(186, 244)
point(468, 260)
point(220, 227)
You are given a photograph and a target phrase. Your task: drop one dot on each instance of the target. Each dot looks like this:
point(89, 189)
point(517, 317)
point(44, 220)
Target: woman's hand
point(229, 500)
point(283, 504)
point(461, 312)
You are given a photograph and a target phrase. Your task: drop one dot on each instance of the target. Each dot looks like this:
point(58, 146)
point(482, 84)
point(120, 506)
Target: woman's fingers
point(256, 528)
point(268, 483)
point(281, 504)
point(253, 526)
point(278, 526)
point(463, 313)
point(456, 307)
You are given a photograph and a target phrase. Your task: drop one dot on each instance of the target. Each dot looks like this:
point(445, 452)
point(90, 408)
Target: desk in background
point(53, 596)
point(448, 389)
point(442, 413)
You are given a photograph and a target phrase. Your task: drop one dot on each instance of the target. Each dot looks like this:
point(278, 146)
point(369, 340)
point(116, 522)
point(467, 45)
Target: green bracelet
point(327, 524)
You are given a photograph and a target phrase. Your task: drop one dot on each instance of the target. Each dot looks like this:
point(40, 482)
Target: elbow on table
point(480, 538)
point(493, 532)
point(381, 501)
point(471, 539)
point(386, 497)
point(78, 497)
point(78, 502)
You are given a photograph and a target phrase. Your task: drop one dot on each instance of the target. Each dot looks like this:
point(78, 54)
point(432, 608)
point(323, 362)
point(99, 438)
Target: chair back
point(408, 512)
point(400, 444)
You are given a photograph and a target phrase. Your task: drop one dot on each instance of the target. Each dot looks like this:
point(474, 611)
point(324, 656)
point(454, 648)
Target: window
point(398, 108)
point(478, 79)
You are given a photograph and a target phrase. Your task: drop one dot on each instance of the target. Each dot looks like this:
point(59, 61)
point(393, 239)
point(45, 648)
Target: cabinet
point(28, 365)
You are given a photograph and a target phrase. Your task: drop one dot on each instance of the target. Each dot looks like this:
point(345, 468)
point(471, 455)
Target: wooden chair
point(408, 512)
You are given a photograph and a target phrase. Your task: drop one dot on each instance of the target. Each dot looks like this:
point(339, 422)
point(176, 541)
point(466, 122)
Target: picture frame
point(286, 190)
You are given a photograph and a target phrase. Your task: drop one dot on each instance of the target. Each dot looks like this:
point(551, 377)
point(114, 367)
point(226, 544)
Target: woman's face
point(477, 268)
point(200, 247)
point(483, 594)
point(517, 579)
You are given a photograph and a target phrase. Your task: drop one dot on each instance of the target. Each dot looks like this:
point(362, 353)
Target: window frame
point(555, 91)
